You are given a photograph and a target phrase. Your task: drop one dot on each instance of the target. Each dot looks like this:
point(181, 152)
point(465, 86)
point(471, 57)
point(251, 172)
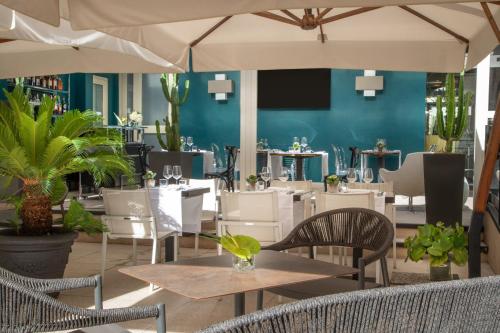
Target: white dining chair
point(210, 208)
point(253, 214)
point(329, 201)
point(129, 215)
point(298, 185)
point(389, 211)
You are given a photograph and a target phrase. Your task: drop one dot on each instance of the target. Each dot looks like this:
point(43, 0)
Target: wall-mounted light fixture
point(220, 87)
point(369, 83)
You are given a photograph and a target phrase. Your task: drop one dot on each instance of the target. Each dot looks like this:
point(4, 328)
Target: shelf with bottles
point(60, 105)
point(52, 84)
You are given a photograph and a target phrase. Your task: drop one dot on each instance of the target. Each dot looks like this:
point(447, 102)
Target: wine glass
point(182, 139)
point(265, 175)
point(167, 172)
point(284, 174)
point(351, 175)
point(368, 175)
point(189, 142)
point(177, 172)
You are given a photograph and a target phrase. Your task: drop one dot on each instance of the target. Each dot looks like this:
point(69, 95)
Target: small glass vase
point(440, 273)
point(243, 265)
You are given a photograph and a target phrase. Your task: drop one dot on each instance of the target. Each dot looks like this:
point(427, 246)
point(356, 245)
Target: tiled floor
point(183, 315)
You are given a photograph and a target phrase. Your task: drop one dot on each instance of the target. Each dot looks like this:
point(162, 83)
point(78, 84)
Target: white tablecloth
point(173, 212)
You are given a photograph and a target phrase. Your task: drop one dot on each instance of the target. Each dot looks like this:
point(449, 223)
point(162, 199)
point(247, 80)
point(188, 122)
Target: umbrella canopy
point(433, 38)
point(30, 47)
point(420, 35)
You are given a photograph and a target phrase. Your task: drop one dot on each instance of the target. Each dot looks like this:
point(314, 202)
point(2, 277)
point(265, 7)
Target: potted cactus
point(176, 95)
point(444, 172)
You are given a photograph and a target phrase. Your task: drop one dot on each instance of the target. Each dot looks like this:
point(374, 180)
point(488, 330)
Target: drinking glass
point(284, 174)
point(177, 172)
point(163, 182)
point(351, 175)
point(183, 141)
point(189, 142)
point(265, 143)
point(167, 172)
point(368, 175)
point(303, 142)
point(265, 175)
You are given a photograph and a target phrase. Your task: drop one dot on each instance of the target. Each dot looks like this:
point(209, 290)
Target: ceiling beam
point(209, 31)
point(347, 14)
point(279, 18)
point(292, 16)
point(434, 23)
point(491, 20)
point(321, 28)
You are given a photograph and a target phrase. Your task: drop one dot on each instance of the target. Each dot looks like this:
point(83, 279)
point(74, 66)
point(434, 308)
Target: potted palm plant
point(442, 244)
point(39, 153)
point(444, 172)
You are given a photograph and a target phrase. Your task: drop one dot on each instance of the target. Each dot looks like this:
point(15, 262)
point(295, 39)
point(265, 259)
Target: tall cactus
point(451, 126)
point(170, 86)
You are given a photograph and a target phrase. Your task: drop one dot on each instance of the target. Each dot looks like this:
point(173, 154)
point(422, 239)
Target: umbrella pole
point(481, 200)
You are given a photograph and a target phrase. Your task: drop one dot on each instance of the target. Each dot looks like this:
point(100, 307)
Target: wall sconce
point(220, 87)
point(369, 83)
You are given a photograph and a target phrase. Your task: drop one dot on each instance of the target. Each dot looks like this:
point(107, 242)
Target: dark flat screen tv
point(294, 89)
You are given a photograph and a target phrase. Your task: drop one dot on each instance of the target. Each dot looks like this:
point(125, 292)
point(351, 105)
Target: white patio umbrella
point(422, 35)
point(31, 47)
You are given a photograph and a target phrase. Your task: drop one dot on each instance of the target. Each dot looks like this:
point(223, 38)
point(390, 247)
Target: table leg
point(357, 253)
point(381, 162)
point(299, 168)
point(239, 304)
point(169, 248)
point(260, 299)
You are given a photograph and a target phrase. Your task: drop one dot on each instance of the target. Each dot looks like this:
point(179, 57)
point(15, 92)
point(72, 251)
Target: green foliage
point(244, 247)
point(38, 151)
point(440, 243)
point(149, 175)
point(170, 86)
point(77, 218)
point(452, 123)
point(252, 179)
point(332, 180)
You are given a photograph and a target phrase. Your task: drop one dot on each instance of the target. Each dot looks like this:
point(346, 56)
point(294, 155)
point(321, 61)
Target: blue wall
point(396, 114)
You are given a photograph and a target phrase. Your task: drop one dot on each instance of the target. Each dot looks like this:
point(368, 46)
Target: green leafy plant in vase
point(333, 183)
point(149, 178)
point(243, 248)
point(252, 180)
point(442, 244)
point(170, 86)
point(452, 122)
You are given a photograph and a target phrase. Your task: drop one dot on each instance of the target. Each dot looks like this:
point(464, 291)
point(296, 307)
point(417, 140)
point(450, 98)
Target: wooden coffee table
point(208, 277)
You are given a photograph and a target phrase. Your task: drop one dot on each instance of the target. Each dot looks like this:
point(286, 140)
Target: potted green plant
point(243, 248)
point(442, 244)
point(444, 172)
point(333, 183)
point(149, 179)
point(380, 145)
point(39, 152)
point(252, 180)
point(170, 142)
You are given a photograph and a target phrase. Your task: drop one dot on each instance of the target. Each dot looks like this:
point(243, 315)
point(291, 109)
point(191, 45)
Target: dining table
point(175, 208)
point(209, 277)
point(380, 155)
point(299, 158)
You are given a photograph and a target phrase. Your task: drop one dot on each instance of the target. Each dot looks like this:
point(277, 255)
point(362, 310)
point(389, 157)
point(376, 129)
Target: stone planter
point(158, 159)
point(43, 257)
point(444, 187)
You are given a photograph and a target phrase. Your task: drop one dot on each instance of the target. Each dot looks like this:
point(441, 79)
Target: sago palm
point(40, 153)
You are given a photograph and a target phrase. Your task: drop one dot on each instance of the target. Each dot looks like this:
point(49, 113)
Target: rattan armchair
point(464, 306)
point(26, 307)
point(356, 228)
